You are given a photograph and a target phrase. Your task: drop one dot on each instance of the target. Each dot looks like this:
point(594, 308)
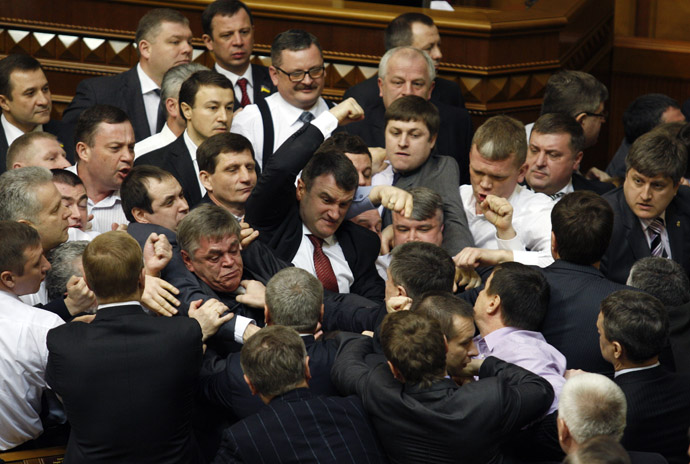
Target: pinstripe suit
point(299, 427)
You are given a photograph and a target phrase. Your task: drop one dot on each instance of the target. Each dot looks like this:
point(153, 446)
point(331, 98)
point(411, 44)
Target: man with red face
point(508, 221)
point(651, 210)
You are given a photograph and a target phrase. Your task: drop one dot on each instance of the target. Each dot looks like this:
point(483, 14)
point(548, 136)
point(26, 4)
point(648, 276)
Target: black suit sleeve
point(350, 370)
point(525, 396)
point(351, 312)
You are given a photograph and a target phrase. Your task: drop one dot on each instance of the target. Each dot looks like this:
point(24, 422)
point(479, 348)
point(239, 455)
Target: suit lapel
point(635, 235)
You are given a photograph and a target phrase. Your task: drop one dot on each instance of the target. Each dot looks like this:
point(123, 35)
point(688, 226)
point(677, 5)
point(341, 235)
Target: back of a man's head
point(175, 76)
point(64, 263)
point(398, 33)
point(415, 346)
point(645, 113)
point(582, 223)
point(113, 276)
point(637, 321)
point(501, 137)
point(421, 267)
point(657, 153)
point(573, 93)
point(662, 278)
point(18, 199)
point(592, 405)
point(524, 293)
point(294, 299)
point(274, 361)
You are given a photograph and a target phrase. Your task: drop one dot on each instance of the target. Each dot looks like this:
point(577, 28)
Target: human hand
point(157, 253)
point(347, 111)
point(159, 296)
point(209, 316)
point(255, 294)
point(392, 198)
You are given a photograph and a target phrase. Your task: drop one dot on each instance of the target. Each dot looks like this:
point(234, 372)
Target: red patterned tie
point(324, 270)
point(242, 82)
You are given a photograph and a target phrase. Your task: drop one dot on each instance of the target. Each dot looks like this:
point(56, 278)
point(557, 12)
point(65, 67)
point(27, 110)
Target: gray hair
point(294, 298)
point(18, 193)
point(383, 65)
point(591, 405)
point(205, 221)
point(662, 278)
point(175, 76)
point(63, 266)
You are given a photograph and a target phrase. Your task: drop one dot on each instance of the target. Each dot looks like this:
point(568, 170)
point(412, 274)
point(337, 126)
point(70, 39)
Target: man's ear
point(380, 82)
point(273, 72)
point(250, 385)
point(494, 305)
point(140, 215)
point(144, 49)
point(186, 259)
point(301, 189)
point(3, 103)
point(208, 41)
point(172, 107)
point(267, 315)
point(307, 372)
point(578, 160)
point(321, 313)
point(581, 118)
point(186, 110)
point(564, 437)
point(554, 246)
point(83, 152)
point(401, 290)
point(396, 373)
point(205, 178)
point(521, 172)
point(7, 279)
point(142, 279)
point(618, 350)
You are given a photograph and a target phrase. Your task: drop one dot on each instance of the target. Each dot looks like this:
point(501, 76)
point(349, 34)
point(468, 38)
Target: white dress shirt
point(285, 122)
point(531, 221)
point(191, 148)
point(105, 212)
point(304, 259)
point(23, 358)
point(152, 100)
point(12, 132)
point(634, 369)
point(154, 142)
point(235, 77)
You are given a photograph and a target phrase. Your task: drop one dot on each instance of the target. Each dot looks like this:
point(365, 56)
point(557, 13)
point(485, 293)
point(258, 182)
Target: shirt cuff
point(326, 123)
point(241, 324)
point(514, 243)
point(360, 202)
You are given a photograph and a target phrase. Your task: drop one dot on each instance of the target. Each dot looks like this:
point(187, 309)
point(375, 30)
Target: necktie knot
point(316, 241)
point(306, 117)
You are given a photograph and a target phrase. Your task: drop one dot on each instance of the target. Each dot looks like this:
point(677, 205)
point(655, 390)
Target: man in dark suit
point(229, 34)
point(163, 40)
point(592, 405)
point(651, 210)
point(633, 328)
point(666, 280)
point(409, 71)
point(419, 31)
point(307, 226)
point(206, 102)
point(138, 371)
point(422, 416)
point(296, 425)
point(26, 103)
point(294, 299)
point(553, 157)
point(581, 231)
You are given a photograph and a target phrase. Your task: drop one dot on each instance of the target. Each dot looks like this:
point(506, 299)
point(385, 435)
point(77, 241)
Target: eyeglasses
point(603, 115)
point(298, 76)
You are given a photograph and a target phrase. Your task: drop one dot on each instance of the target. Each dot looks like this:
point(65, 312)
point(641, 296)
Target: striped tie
point(654, 230)
point(306, 117)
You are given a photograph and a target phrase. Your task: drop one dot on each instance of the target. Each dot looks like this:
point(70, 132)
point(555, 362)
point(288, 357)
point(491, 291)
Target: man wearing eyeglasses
point(299, 74)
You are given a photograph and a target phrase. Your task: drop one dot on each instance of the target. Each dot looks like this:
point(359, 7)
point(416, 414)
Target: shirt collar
point(646, 222)
point(191, 147)
point(235, 77)
point(330, 241)
point(12, 132)
point(633, 369)
point(121, 303)
point(147, 84)
point(291, 113)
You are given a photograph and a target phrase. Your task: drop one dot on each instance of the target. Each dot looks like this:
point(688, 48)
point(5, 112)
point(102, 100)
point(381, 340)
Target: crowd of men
point(219, 265)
